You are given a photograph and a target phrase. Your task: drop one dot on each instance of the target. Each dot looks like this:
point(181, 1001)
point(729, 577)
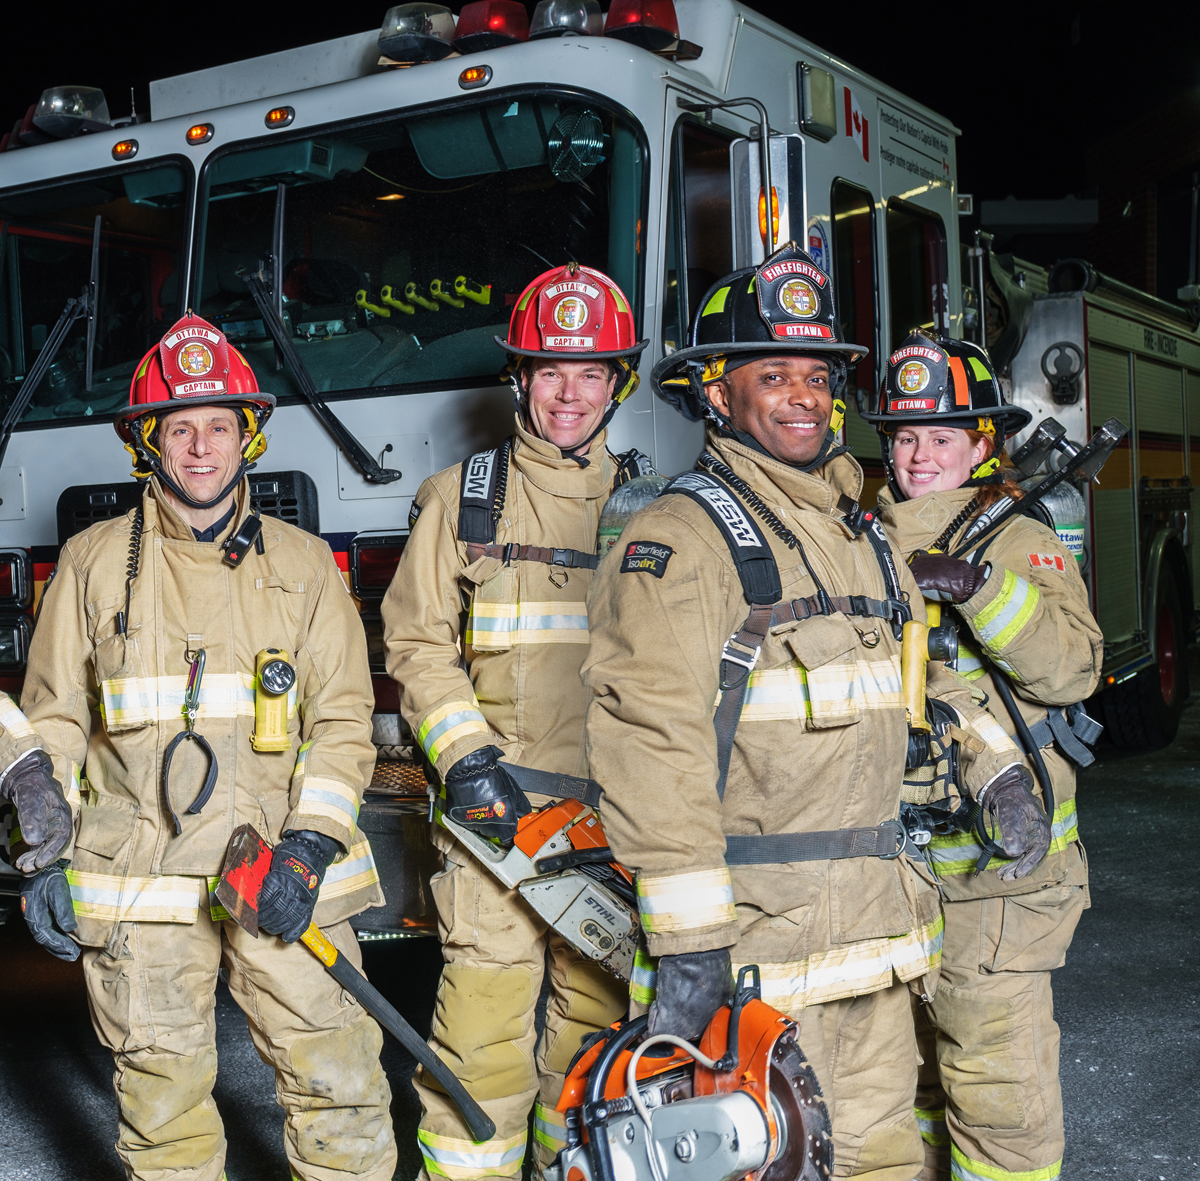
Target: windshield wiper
point(355, 452)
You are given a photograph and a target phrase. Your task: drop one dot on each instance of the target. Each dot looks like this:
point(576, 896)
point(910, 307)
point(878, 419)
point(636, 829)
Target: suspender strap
point(572, 558)
point(860, 521)
point(886, 842)
point(738, 659)
point(846, 604)
point(551, 783)
point(482, 486)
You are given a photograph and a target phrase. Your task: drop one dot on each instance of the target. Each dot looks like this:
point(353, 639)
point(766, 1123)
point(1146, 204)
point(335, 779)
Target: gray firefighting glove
point(46, 905)
point(42, 810)
point(947, 580)
point(1024, 825)
point(483, 797)
point(289, 891)
point(690, 988)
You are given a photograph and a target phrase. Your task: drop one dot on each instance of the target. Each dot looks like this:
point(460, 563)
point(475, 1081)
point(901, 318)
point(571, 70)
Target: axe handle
point(355, 983)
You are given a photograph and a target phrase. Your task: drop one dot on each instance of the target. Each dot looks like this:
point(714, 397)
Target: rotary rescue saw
point(744, 1103)
point(560, 863)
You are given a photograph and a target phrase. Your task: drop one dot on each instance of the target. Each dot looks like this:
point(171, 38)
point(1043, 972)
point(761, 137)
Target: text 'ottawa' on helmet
point(574, 312)
point(783, 306)
point(193, 365)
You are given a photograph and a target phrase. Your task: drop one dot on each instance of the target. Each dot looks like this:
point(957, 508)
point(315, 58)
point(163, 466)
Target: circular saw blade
point(805, 1135)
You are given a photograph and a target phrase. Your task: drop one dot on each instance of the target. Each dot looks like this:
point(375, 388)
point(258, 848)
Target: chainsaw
point(744, 1103)
point(560, 863)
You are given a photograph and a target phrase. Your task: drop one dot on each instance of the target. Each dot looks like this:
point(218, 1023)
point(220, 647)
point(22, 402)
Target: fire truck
point(359, 216)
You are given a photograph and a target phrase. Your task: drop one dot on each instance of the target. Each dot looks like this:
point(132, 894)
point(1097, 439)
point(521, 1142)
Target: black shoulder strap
point(759, 575)
point(860, 521)
point(756, 565)
point(481, 490)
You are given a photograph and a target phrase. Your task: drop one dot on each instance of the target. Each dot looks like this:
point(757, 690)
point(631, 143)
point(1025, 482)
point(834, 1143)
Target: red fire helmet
point(573, 311)
point(193, 365)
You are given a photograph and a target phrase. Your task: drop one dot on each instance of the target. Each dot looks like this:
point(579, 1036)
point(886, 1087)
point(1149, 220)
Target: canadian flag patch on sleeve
point(1048, 562)
point(646, 557)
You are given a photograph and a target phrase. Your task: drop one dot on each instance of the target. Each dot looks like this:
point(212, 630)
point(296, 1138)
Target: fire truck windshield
point(406, 242)
point(46, 248)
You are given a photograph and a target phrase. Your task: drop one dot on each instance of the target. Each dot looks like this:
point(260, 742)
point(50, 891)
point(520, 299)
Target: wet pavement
point(1127, 1002)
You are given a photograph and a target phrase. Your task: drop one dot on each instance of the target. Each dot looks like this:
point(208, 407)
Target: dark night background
point(1054, 99)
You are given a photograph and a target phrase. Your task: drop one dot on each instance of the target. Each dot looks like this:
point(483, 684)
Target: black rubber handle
point(355, 983)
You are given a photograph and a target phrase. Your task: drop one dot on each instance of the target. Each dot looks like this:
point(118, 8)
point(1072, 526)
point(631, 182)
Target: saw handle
point(363, 991)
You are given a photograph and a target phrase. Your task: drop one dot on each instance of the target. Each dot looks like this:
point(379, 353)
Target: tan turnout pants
point(153, 998)
point(865, 1056)
point(496, 949)
point(989, 1100)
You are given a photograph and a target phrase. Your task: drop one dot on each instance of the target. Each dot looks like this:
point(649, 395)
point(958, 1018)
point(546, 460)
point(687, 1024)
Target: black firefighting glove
point(46, 905)
point(289, 891)
point(1024, 825)
point(42, 810)
point(947, 580)
point(483, 797)
point(690, 988)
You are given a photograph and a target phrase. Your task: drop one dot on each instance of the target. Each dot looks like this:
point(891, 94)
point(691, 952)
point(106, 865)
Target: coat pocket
point(495, 611)
point(836, 682)
point(129, 701)
point(106, 826)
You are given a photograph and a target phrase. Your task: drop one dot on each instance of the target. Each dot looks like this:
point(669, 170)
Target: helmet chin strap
point(175, 489)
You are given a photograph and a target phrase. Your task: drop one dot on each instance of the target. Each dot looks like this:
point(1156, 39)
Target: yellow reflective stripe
point(643, 980)
point(717, 303)
point(960, 853)
point(355, 871)
point(549, 1127)
point(963, 1168)
point(792, 692)
point(134, 701)
point(13, 720)
point(866, 966)
point(216, 911)
point(932, 1123)
point(329, 799)
point(992, 733)
point(686, 901)
point(464, 1160)
point(74, 792)
point(118, 899)
point(447, 724)
point(999, 622)
point(502, 625)
point(301, 759)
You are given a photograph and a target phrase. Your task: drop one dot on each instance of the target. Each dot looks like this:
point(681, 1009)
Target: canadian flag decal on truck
point(856, 124)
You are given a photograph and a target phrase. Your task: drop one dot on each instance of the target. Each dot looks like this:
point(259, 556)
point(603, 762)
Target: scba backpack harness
point(721, 493)
point(483, 486)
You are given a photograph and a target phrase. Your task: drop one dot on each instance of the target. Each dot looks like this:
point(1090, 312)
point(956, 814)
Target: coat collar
point(162, 515)
point(928, 515)
point(546, 468)
point(819, 490)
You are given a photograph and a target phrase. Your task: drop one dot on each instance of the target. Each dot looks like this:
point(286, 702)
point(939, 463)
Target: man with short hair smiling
point(488, 547)
point(142, 676)
point(768, 828)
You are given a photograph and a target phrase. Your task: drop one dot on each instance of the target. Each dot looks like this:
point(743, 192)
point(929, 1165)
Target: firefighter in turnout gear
point(989, 1101)
point(486, 628)
point(767, 832)
point(142, 675)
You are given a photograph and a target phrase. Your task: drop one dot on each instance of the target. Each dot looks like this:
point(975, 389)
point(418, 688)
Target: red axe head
point(246, 866)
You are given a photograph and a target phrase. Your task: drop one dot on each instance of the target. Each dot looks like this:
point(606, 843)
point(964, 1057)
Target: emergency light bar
point(64, 111)
point(652, 24)
point(566, 18)
point(413, 33)
point(373, 562)
point(16, 579)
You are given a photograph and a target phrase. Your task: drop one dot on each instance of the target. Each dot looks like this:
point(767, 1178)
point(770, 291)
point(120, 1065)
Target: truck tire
point(1143, 712)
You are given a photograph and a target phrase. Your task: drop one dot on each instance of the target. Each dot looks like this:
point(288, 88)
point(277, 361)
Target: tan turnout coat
point(487, 652)
point(1030, 619)
point(820, 745)
point(109, 705)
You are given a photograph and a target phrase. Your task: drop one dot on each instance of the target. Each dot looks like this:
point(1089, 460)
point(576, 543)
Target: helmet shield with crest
point(784, 306)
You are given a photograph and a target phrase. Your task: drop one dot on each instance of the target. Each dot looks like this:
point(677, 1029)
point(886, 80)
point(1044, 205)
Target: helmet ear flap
point(630, 384)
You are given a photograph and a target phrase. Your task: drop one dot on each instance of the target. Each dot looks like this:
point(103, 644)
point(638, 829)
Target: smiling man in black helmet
point(768, 828)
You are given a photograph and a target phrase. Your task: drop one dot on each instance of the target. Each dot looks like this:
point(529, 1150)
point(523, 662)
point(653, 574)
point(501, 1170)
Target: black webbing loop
point(738, 659)
point(887, 842)
point(210, 780)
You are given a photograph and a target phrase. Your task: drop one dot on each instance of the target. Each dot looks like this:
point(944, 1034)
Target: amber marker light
point(279, 117)
point(391, 197)
point(200, 134)
point(474, 76)
point(125, 150)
